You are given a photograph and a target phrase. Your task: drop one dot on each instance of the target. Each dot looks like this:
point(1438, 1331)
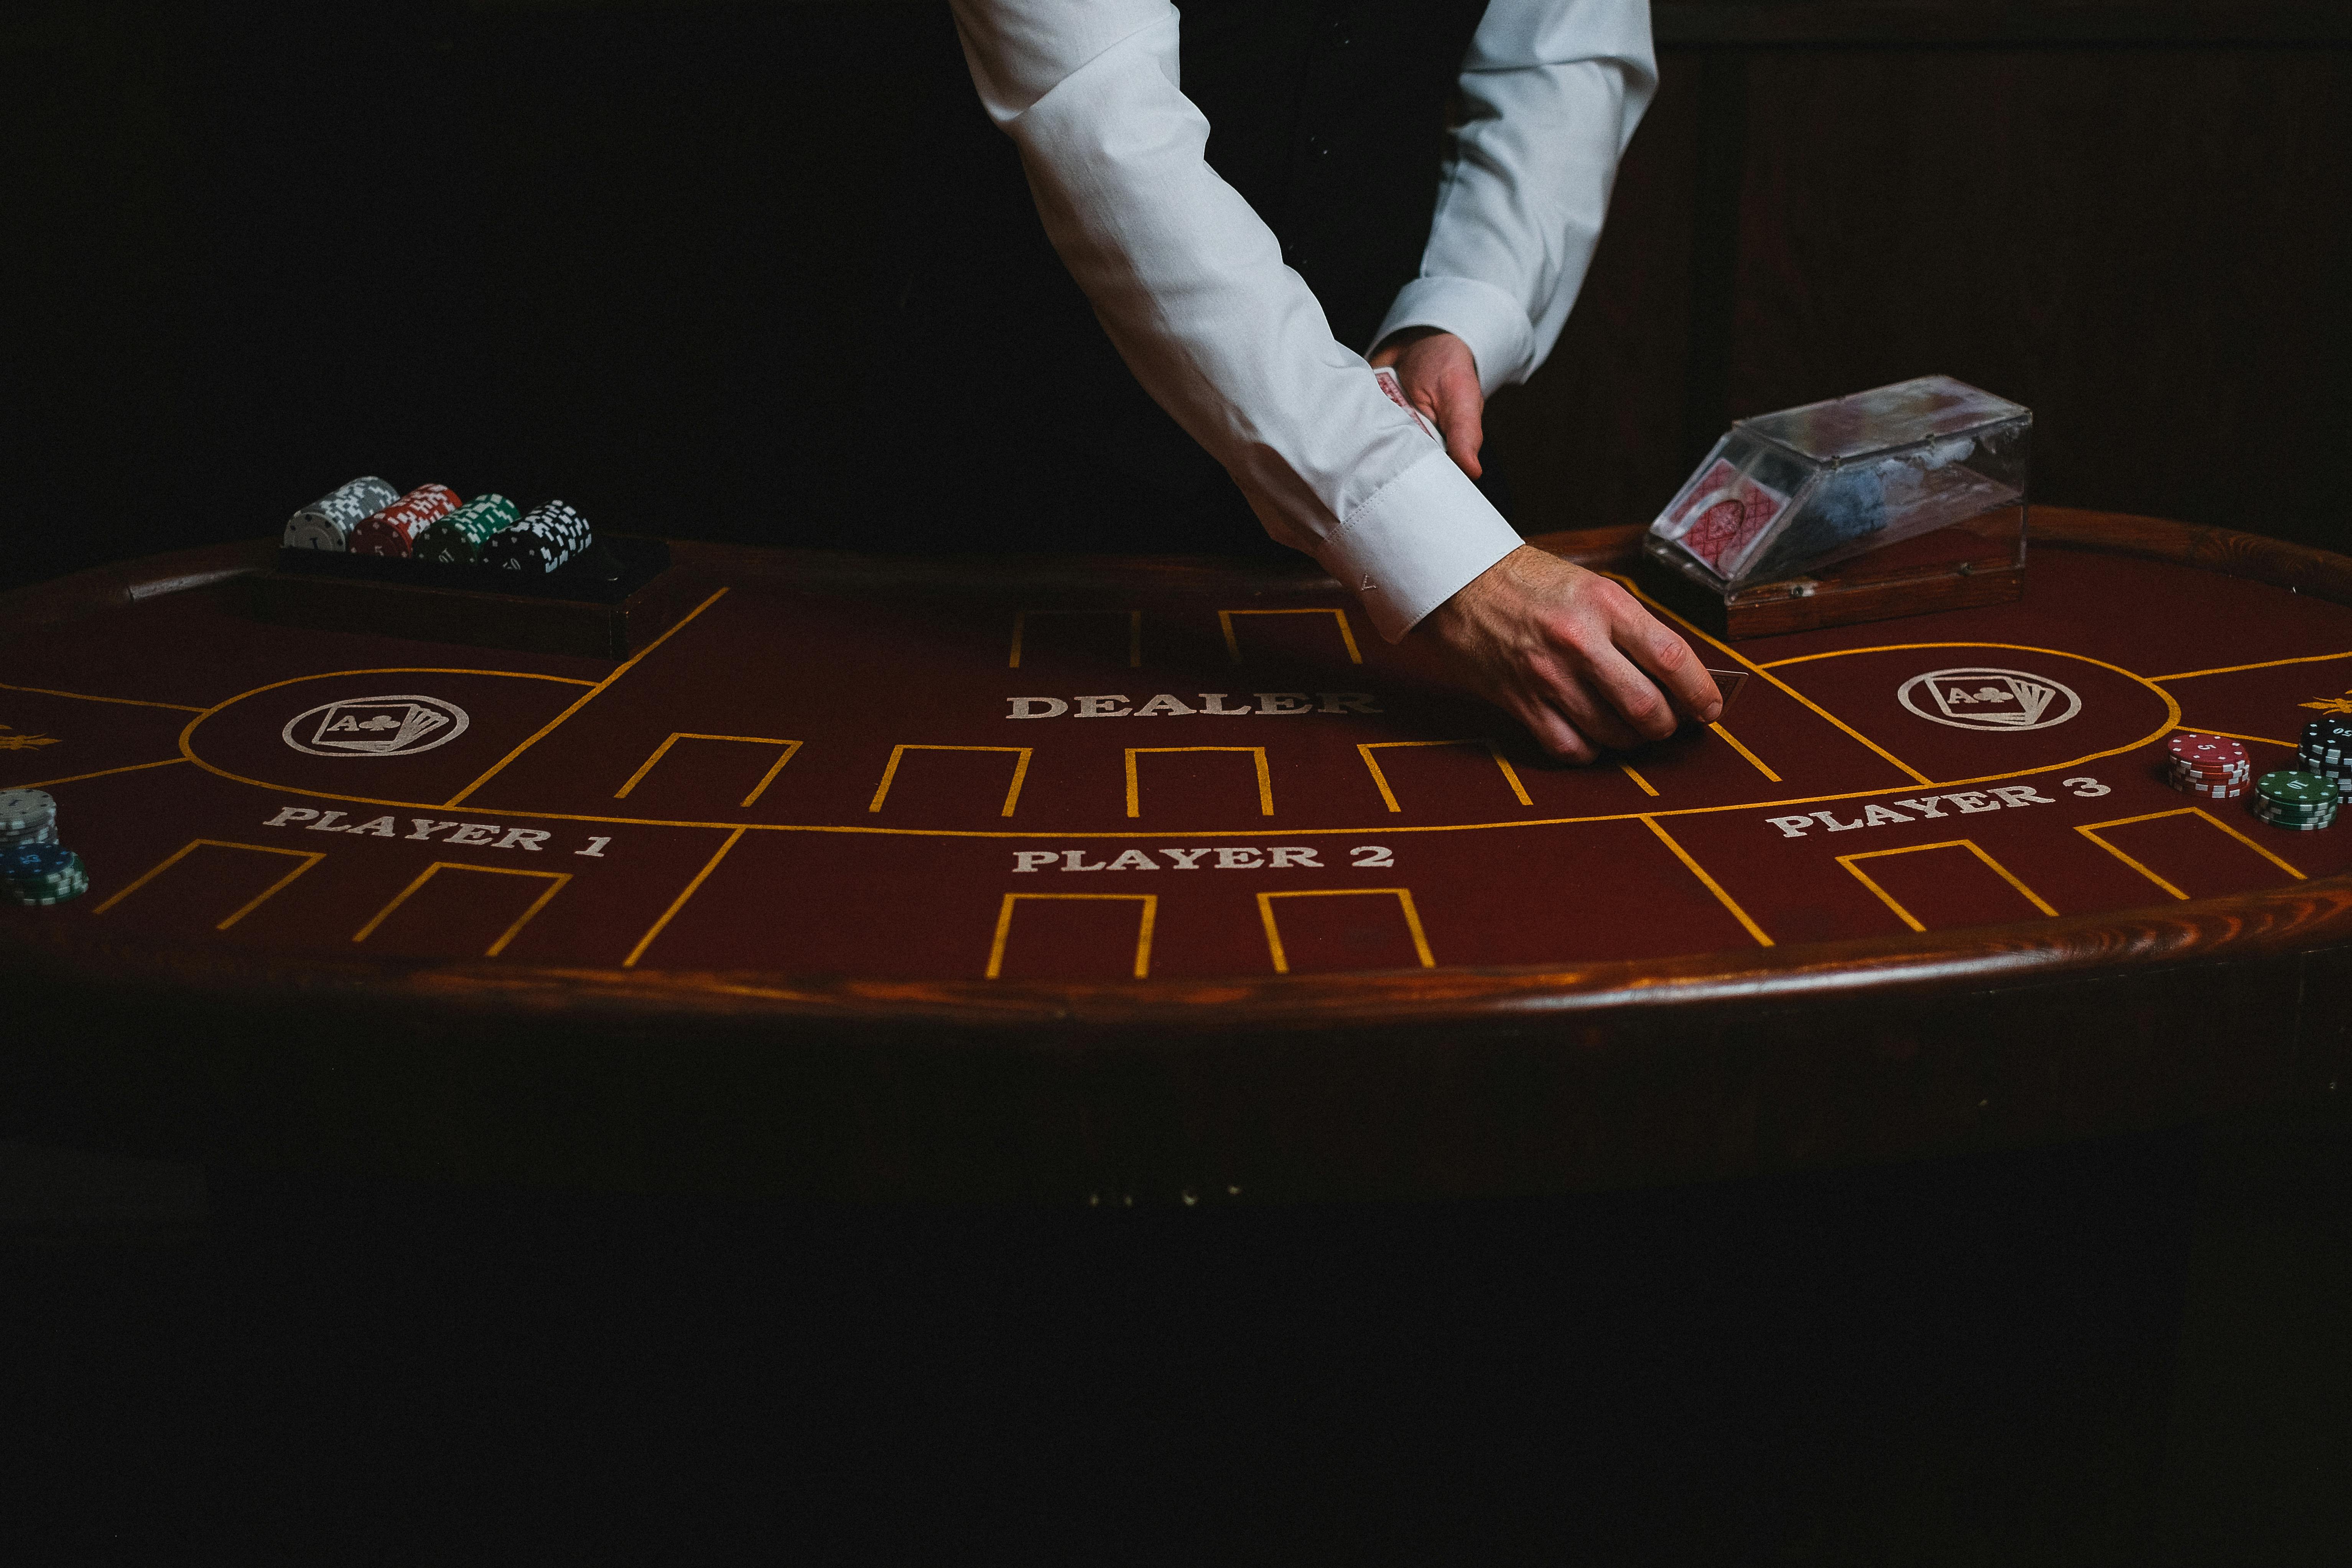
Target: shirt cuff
point(1495, 325)
point(1415, 543)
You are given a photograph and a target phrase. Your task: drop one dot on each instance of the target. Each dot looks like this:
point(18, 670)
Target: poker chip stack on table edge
point(460, 535)
point(545, 538)
point(2211, 766)
point(2327, 749)
point(35, 868)
point(327, 523)
point(42, 874)
point(2296, 800)
point(393, 530)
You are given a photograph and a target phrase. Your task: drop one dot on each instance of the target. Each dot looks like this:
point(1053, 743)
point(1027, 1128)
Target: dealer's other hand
point(1439, 375)
point(1571, 655)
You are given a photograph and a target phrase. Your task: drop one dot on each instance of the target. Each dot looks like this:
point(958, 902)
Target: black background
point(638, 256)
point(621, 255)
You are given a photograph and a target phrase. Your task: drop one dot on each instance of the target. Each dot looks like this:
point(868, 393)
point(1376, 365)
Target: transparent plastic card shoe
point(1786, 496)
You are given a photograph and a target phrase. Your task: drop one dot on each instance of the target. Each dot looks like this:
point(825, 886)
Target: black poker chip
point(540, 542)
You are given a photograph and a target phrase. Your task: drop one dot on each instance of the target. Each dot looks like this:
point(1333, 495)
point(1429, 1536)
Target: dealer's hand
point(1439, 375)
point(1571, 655)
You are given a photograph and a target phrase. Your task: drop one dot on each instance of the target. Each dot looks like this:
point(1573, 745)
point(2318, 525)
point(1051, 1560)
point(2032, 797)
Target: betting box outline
point(595, 688)
point(735, 831)
point(1918, 779)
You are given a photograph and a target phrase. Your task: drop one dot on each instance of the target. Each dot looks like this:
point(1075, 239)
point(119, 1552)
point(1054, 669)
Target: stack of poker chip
point(546, 538)
point(458, 536)
point(35, 868)
point(393, 531)
point(327, 523)
point(2296, 800)
point(2327, 749)
point(2211, 766)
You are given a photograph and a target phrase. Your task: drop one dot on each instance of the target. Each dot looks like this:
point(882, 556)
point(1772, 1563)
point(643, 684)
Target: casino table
point(1100, 881)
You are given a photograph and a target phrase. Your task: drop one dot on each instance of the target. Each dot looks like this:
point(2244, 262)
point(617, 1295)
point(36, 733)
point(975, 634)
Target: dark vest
point(1001, 417)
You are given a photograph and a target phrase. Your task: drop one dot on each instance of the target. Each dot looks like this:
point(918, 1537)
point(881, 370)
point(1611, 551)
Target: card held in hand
point(1387, 377)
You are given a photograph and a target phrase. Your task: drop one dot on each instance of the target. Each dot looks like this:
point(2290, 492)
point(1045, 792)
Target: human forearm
point(1553, 90)
point(1192, 287)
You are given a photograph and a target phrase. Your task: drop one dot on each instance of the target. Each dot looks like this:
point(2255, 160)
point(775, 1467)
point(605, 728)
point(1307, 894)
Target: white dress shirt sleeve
point(1191, 285)
point(1552, 90)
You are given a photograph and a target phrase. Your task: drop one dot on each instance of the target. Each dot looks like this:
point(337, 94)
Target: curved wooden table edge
point(123, 584)
point(2310, 917)
point(2303, 918)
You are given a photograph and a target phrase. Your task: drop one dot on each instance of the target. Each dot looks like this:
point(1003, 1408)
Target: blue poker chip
point(41, 874)
point(34, 858)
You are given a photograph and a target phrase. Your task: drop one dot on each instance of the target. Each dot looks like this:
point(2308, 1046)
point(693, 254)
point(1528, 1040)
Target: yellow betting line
point(555, 883)
point(2170, 702)
point(1726, 900)
point(2266, 664)
point(2091, 830)
point(1901, 767)
point(1970, 845)
point(1151, 902)
point(308, 857)
point(1274, 947)
point(308, 793)
point(102, 773)
point(583, 701)
point(679, 903)
point(1754, 761)
point(187, 750)
point(87, 697)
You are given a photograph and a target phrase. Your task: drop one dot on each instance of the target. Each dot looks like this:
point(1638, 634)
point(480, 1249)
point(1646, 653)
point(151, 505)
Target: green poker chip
point(45, 901)
point(460, 535)
point(2305, 818)
point(2297, 789)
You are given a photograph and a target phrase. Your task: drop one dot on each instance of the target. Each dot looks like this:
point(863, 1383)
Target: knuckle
point(1583, 633)
point(1645, 711)
point(1563, 632)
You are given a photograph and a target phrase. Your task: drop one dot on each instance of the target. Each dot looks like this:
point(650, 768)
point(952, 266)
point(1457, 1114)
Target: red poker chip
point(374, 536)
point(2214, 789)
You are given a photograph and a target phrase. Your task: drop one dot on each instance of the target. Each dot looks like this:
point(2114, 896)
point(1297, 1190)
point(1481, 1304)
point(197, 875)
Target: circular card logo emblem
point(375, 727)
point(1981, 698)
